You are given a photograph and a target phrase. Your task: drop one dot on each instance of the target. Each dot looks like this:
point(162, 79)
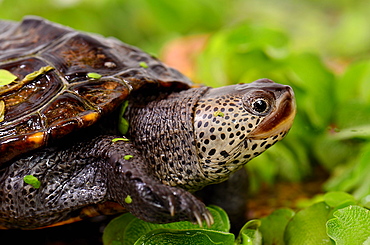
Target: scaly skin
point(180, 142)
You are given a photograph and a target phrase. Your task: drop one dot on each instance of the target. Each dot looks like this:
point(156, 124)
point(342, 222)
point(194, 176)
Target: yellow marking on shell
point(2, 110)
point(37, 138)
point(91, 117)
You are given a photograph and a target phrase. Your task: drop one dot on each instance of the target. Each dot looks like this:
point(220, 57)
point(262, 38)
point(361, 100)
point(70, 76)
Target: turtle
point(91, 125)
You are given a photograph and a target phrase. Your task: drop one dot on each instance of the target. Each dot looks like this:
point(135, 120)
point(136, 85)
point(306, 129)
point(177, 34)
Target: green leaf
point(273, 226)
point(119, 139)
point(249, 234)
point(312, 77)
point(180, 237)
point(339, 199)
point(308, 226)
point(351, 225)
point(33, 75)
point(128, 199)
point(353, 177)
point(128, 157)
point(94, 75)
point(123, 124)
point(143, 64)
point(32, 180)
point(129, 232)
point(6, 77)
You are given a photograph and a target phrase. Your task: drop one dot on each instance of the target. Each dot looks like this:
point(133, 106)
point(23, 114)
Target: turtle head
point(236, 123)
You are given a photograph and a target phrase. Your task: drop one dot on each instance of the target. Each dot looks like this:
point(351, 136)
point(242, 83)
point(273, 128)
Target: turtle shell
point(62, 96)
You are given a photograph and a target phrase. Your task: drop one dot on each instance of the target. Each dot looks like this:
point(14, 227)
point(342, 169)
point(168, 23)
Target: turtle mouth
point(280, 120)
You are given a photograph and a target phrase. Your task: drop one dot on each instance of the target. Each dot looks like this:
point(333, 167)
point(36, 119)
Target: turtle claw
point(209, 219)
point(199, 219)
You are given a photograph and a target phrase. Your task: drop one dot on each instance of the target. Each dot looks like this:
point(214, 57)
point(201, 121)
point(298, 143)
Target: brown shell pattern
point(65, 99)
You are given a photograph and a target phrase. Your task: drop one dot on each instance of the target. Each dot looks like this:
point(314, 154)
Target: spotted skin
point(200, 136)
point(227, 141)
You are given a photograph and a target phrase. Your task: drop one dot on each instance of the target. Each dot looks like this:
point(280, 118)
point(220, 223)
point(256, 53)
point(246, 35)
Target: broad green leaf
point(6, 77)
point(308, 226)
point(354, 85)
point(183, 237)
point(128, 232)
point(353, 177)
point(316, 81)
point(273, 226)
point(339, 199)
point(250, 234)
point(351, 225)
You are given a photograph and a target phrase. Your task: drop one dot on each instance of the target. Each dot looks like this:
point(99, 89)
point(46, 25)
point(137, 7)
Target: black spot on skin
point(207, 108)
point(206, 141)
point(199, 124)
point(263, 143)
point(212, 152)
point(206, 124)
point(213, 137)
point(201, 134)
point(189, 171)
point(231, 142)
point(254, 147)
point(250, 125)
point(268, 146)
point(236, 162)
point(218, 171)
point(247, 156)
point(212, 129)
point(223, 136)
point(224, 154)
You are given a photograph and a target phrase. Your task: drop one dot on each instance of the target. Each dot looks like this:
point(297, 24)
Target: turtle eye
point(258, 102)
point(260, 106)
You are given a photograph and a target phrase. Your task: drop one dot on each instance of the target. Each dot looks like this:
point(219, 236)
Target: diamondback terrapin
point(63, 157)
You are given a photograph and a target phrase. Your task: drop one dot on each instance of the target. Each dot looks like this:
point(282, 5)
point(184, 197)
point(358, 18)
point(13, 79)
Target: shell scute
point(64, 99)
point(28, 37)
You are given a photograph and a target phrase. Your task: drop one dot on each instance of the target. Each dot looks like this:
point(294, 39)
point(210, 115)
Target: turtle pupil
point(260, 106)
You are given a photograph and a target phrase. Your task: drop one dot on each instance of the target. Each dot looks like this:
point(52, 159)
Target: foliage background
point(320, 48)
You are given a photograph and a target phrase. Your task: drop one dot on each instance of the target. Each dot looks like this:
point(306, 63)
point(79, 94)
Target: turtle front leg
point(132, 183)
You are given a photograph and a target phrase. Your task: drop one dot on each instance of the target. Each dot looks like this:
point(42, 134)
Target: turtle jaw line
point(280, 121)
